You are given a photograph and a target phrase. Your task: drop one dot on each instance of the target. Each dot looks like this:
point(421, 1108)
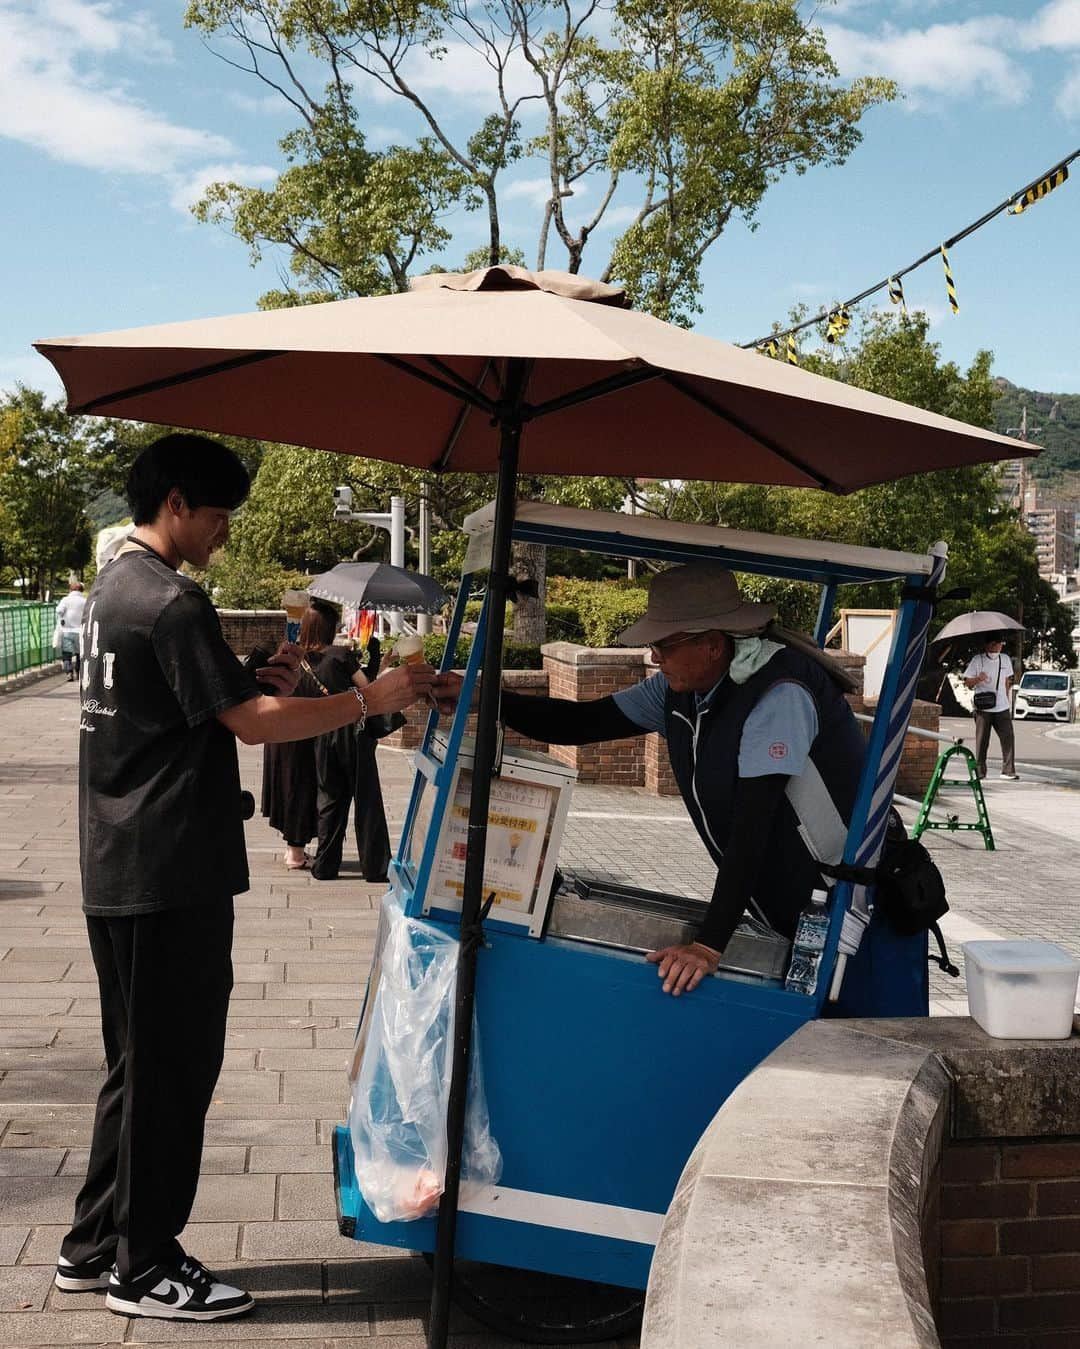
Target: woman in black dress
point(346, 772)
point(289, 788)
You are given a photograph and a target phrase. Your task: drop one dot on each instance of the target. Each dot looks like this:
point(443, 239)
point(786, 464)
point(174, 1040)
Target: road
point(1049, 744)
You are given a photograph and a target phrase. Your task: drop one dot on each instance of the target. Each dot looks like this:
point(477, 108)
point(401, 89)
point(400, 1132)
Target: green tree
point(48, 468)
point(989, 551)
point(686, 111)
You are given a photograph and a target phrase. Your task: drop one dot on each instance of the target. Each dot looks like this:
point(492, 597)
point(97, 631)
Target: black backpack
point(909, 891)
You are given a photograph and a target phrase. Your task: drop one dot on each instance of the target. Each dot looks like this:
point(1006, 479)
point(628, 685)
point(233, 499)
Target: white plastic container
point(1021, 990)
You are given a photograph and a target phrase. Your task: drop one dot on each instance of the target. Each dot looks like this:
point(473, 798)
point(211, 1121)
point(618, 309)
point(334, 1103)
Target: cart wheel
point(544, 1308)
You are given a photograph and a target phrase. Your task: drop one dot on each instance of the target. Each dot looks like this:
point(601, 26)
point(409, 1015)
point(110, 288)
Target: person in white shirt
point(991, 672)
point(69, 614)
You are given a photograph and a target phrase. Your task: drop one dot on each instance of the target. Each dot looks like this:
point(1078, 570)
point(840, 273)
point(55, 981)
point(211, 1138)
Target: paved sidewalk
point(265, 1210)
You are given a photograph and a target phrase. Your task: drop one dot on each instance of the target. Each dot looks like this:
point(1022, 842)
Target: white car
point(1047, 693)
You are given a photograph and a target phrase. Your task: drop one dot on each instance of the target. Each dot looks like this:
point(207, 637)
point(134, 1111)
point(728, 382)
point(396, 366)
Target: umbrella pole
point(464, 994)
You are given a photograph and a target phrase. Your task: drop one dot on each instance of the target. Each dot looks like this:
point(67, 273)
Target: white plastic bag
point(397, 1115)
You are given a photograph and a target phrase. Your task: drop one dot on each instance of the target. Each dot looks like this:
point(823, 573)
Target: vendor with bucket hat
point(763, 745)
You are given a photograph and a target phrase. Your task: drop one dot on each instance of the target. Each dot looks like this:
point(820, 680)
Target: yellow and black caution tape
point(950, 285)
point(1014, 204)
point(770, 347)
point(792, 350)
point(839, 323)
point(1038, 190)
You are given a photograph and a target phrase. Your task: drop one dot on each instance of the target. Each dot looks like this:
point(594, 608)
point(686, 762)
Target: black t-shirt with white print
point(159, 781)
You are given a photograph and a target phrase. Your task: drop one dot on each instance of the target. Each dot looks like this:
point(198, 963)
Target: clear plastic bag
point(397, 1115)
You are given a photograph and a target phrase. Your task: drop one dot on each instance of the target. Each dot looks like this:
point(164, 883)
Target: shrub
point(234, 582)
point(515, 655)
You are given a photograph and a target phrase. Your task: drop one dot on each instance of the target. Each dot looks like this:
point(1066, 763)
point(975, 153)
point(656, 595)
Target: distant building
point(1054, 530)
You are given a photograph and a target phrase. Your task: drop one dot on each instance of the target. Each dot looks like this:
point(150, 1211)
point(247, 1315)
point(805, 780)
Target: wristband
point(363, 707)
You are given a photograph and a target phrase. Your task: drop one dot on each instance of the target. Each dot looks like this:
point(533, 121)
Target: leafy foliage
point(988, 549)
point(48, 467)
point(691, 109)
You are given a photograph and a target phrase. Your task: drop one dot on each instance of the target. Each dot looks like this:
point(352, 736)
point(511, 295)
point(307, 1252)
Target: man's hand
point(283, 670)
point(682, 968)
point(399, 688)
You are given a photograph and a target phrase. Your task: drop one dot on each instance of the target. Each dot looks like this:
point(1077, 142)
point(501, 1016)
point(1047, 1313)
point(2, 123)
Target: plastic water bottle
point(810, 934)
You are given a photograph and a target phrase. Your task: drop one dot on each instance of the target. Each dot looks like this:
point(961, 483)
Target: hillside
point(1058, 416)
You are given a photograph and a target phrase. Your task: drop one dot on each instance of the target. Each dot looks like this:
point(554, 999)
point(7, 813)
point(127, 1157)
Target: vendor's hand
point(447, 691)
point(682, 968)
point(398, 688)
point(282, 670)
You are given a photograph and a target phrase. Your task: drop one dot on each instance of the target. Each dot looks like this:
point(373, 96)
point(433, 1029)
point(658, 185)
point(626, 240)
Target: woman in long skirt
point(345, 768)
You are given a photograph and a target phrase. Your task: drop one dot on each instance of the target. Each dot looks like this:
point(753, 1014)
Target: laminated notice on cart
point(519, 816)
point(527, 808)
point(397, 1114)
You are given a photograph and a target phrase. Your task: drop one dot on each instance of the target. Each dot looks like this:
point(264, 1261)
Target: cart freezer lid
point(1019, 957)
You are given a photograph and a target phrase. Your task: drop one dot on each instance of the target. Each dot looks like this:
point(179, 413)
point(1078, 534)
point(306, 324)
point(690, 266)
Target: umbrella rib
point(612, 384)
point(173, 381)
point(442, 463)
point(688, 391)
point(465, 391)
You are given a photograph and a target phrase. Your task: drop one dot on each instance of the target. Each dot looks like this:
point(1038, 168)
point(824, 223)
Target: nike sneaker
point(182, 1290)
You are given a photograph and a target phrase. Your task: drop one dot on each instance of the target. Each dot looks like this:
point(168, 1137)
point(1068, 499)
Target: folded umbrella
point(380, 586)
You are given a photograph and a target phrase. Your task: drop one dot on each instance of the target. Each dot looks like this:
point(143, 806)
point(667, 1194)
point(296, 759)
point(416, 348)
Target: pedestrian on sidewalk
point(347, 773)
point(990, 675)
point(162, 855)
point(69, 615)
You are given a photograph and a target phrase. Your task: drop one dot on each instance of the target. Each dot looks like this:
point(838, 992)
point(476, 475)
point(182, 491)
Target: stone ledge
point(1004, 1088)
point(570, 653)
point(803, 1206)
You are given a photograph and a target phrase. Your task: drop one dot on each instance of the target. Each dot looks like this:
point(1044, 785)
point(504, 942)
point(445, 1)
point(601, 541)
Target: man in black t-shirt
point(163, 700)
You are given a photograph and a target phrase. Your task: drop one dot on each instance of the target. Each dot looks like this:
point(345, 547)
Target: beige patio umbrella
point(510, 370)
point(414, 379)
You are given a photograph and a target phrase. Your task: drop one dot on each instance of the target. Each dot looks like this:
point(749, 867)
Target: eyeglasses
point(660, 649)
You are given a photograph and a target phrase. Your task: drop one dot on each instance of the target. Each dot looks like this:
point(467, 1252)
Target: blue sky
point(113, 117)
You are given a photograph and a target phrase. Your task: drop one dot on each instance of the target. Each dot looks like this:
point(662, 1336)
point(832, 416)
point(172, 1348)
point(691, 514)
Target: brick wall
point(247, 628)
point(1010, 1244)
point(583, 674)
point(919, 755)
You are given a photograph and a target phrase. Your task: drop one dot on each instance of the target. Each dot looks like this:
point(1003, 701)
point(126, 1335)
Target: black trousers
point(164, 981)
point(348, 776)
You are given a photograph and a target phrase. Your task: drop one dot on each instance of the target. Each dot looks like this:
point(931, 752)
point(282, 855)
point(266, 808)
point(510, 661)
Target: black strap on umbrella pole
point(486, 733)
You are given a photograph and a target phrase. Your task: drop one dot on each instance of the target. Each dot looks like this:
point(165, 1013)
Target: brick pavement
point(264, 1211)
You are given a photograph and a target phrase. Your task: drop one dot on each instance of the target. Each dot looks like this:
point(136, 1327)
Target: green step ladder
point(953, 823)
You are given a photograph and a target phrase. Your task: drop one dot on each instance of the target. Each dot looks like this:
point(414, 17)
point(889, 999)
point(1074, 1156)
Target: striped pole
point(954, 303)
point(884, 749)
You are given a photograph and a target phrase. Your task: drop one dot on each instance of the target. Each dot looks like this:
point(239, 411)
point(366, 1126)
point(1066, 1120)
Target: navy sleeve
point(200, 667)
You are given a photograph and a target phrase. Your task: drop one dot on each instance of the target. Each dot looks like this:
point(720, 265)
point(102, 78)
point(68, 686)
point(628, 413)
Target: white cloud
point(1056, 25)
point(188, 188)
point(32, 370)
point(618, 217)
point(953, 60)
point(538, 191)
point(1068, 99)
point(461, 74)
point(56, 93)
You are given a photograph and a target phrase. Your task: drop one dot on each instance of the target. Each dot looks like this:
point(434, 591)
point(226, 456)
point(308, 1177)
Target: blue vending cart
point(598, 1085)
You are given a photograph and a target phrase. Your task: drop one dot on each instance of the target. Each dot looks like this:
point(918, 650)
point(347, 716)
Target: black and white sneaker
point(87, 1277)
point(183, 1290)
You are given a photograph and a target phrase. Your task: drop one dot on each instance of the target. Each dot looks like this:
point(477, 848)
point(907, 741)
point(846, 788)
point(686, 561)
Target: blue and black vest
point(704, 748)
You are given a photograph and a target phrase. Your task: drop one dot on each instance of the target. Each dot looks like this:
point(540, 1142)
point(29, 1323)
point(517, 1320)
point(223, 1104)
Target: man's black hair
point(204, 471)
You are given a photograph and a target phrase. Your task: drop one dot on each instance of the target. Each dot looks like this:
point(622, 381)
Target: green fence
point(26, 633)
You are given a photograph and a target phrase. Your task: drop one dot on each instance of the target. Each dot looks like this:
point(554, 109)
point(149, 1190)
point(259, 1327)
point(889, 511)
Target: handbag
point(984, 700)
